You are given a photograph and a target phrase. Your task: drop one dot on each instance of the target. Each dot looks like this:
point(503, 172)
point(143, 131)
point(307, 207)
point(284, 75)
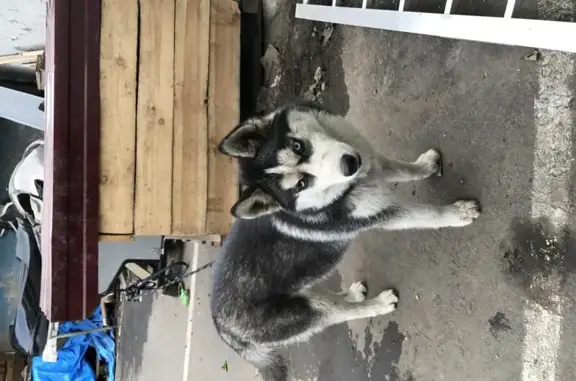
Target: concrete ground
point(161, 339)
point(492, 301)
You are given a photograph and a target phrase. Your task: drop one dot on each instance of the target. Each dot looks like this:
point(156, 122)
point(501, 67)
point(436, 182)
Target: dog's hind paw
point(431, 161)
point(467, 211)
point(357, 292)
point(386, 301)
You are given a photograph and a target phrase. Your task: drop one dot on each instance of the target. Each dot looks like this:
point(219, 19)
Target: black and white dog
point(311, 184)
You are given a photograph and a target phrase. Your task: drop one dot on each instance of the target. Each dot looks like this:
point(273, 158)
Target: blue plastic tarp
point(71, 364)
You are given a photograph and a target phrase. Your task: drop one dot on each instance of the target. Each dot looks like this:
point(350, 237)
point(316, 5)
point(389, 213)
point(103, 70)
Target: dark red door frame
point(70, 218)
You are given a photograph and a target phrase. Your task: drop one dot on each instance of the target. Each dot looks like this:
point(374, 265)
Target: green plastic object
point(184, 294)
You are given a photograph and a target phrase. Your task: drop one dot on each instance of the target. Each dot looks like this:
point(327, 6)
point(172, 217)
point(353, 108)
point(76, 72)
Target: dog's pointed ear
point(247, 137)
point(255, 203)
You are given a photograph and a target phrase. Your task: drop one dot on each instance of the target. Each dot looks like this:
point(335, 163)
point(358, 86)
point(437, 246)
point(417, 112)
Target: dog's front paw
point(357, 292)
point(466, 211)
point(431, 162)
point(386, 301)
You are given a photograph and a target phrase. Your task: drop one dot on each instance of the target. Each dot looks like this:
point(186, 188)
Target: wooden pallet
point(169, 90)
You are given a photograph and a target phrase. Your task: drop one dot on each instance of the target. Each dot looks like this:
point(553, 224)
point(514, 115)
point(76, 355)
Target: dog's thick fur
point(311, 184)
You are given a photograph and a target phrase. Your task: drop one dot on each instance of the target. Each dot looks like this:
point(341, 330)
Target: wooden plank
point(115, 238)
point(39, 68)
point(20, 58)
point(223, 111)
point(212, 239)
point(190, 180)
point(154, 125)
point(118, 63)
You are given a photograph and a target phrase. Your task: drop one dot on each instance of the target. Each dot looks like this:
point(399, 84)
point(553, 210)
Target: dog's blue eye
point(302, 184)
point(296, 146)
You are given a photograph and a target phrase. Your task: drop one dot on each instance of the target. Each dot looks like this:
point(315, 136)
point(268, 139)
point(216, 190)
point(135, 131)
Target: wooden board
point(154, 126)
point(20, 58)
point(115, 238)
point(223, 111)
point(39, 69)
point(190, 179)
point(118, 70)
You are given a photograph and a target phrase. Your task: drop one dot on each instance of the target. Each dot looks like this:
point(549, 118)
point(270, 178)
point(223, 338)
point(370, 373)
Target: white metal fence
point(506, 29)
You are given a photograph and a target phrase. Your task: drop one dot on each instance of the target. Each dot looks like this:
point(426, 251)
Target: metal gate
point(506, 29)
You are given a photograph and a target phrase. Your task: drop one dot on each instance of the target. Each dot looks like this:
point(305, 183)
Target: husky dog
point(310, 184)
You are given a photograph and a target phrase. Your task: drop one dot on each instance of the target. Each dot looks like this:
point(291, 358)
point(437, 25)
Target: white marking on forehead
point(288, 162)
point(285, 156)
point(282, 170)
point(302, 124)
point(289, 181)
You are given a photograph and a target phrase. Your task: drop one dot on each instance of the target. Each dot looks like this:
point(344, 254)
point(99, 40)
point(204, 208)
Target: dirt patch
point(537, 255)
point(499, 324)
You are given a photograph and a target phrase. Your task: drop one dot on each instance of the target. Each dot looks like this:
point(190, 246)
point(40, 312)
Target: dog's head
point(290, 162)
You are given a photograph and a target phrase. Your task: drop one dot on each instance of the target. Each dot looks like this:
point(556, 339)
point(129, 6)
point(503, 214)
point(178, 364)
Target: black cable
point(170, 278)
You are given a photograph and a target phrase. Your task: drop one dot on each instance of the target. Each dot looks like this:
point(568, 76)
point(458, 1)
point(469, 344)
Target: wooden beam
point(118, 70)
point(154, 136)
point(20, 58)
point(115, 238)
point(190, 181)
point(39, 68)
point(223, 111)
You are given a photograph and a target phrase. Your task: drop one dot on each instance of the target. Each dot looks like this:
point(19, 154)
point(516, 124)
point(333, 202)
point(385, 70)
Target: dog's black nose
point(350, 164)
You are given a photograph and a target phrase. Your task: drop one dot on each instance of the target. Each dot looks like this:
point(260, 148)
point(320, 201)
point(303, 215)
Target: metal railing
point(505, 30)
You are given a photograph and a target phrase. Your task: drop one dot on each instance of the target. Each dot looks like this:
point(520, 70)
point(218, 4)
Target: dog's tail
point(271, 364)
